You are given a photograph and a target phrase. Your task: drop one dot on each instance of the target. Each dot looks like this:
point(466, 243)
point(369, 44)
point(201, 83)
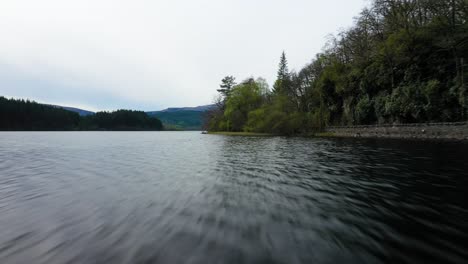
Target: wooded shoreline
point(401, 62)
point(452, 131)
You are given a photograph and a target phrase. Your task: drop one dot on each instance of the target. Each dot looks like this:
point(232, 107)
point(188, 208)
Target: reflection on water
point(183, 197)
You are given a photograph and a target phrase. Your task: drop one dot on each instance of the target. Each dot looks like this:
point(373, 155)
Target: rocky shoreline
point(436, 131)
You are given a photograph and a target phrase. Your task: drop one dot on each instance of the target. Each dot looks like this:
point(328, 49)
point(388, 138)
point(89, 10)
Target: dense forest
point(31, 116)
point(180, 120)
point(403, 61)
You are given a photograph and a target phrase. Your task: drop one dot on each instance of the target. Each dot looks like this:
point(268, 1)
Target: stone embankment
point(442, 131)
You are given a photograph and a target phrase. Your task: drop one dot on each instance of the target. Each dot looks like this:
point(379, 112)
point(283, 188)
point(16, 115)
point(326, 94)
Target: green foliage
point(243, 98)
point(431, 92)
point(257, 121)
point(364, 111)
point(121, 120)
point(380, 104)
point(403, 61)
point(181, 120)
point(27, 115)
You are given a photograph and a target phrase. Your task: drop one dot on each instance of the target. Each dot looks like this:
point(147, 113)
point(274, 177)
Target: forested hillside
point(120, 120)
point(182, 118)
point(28, 115)
point(402, 61)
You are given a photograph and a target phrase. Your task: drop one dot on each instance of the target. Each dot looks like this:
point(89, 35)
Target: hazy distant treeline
point(402, 61)
point(31, 116)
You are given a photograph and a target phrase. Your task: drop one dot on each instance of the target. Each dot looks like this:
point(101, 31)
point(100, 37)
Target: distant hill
point(25, 115)
point(81, 112)
point(182, 118)
point(202, 108)
point(176, 118)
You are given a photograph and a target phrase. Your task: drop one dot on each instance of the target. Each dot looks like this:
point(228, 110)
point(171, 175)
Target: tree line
point(30, 116)
point(403, 61)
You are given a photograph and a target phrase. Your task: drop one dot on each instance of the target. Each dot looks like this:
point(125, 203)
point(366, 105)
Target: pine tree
point(283, 71)
point(283, 78)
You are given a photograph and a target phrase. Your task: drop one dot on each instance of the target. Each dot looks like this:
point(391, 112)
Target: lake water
point(183, 197)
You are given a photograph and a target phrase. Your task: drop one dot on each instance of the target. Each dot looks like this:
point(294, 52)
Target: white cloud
point(162, 53)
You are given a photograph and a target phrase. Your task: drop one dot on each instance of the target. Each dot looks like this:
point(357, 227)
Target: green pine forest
point(403, 61)
point(21, 115)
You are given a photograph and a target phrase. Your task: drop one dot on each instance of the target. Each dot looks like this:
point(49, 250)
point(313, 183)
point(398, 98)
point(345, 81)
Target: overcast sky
point(153, 54)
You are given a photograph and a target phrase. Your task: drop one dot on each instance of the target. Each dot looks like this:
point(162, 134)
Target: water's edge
point(431, 131)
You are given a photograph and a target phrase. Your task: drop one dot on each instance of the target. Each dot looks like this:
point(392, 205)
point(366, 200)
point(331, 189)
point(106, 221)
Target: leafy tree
point(243, 98)
point(402, 61)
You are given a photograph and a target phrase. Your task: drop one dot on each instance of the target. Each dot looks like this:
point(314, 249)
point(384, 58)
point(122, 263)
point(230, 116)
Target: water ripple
point(167, 197)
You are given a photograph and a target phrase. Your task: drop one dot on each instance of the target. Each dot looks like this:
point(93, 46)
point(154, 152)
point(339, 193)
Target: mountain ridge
point(173, 118)
point(182, 118)
point(200, 108)
point(80, 111)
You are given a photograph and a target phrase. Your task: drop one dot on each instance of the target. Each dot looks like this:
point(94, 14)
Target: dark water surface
point(183, 197)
